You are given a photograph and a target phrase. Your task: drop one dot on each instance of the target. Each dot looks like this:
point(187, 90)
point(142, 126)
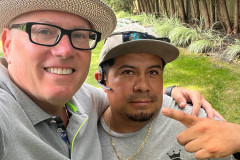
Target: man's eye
point(43, 31)
point(78, 35)
point(153, 72)
point(127, 72)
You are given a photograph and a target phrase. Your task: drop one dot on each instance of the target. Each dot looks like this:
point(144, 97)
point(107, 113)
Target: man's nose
point(141, 84)
point(63, 48)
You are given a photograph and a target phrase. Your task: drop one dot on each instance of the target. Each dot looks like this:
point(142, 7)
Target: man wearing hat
point(131, 72)
point(47, 47)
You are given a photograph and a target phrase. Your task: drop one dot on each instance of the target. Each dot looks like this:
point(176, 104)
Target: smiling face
point(49, 75)
point(136, 80)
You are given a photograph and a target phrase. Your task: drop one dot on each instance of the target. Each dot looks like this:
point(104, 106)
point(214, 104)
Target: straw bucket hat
point(96, 12)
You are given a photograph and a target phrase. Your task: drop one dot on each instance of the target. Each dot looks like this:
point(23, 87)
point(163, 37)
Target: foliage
point(233, 51)
point(165, 25)
point(122, 5)
point(194, 37)
point(182, 36)
point(201, 46)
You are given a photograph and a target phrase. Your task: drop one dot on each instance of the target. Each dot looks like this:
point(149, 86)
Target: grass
point(94, 65)
point(218, 81)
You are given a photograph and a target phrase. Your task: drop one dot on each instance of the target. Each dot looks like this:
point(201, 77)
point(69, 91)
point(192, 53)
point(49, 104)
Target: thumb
point(186, 119)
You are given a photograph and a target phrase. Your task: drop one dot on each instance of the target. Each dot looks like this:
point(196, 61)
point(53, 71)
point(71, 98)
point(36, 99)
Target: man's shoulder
point(89, 90)
point(171, 103)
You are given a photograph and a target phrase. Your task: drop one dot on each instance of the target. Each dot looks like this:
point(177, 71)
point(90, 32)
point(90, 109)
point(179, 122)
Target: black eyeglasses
point(134, 35)
point(50, 35)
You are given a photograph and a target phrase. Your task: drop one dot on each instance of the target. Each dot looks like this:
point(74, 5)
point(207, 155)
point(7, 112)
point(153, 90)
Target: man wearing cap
point(131, 72)
point(47, 47)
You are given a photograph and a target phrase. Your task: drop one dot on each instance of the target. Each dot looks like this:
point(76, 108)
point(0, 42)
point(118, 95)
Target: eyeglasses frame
point(26, 27)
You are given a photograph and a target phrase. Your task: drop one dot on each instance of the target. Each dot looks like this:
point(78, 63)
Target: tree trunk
point(212, 12)
point(152, 6)
point(140, 6)
point(136, 6)
point(196, 9)
point(157, 8)
point(205, 14)
point(188, 9)
point(172, 9)
point(164, 7)
point(236, 17)
point(182, 11)
point(225, 16)
point(146, 7)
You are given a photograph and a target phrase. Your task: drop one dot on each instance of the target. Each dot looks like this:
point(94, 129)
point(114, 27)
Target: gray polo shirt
point(27, 132)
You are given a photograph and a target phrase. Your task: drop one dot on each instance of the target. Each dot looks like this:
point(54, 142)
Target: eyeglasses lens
point(49, 35)
point(44, 34)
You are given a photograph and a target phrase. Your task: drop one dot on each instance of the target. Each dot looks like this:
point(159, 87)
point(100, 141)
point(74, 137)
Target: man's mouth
point(141, 101)
point(60, 71)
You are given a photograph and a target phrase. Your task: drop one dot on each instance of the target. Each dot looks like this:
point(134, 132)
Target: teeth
point(59, 70)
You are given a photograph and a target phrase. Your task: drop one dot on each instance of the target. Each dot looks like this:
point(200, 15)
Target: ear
point(6, 44)
point(97, 75)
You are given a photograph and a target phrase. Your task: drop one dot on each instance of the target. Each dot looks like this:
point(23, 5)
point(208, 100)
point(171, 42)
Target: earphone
point(101, 82)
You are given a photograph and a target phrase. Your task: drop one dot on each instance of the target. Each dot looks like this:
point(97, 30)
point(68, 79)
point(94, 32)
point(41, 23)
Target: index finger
point(186, 119)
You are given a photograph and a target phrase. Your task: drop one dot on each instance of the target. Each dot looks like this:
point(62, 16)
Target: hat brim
point(166, 51)
point(96, 12)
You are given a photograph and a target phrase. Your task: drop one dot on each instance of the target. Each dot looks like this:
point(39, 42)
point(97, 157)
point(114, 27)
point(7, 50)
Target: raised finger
point(186, 119)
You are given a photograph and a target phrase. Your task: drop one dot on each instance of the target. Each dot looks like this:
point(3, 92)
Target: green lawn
point(218, 81)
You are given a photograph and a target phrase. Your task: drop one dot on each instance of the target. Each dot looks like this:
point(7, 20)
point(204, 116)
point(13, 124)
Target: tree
point(182, 10)
point(123, 5)
point(225, 17)
point(172, 9)
point(205, 14)
point(196, 9)
point(164, 7)
point(157, 8)
point(216, 11)
point(236, 17)
point(212, 11)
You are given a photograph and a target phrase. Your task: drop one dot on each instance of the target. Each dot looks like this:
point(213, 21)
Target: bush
point(233, 51)
point(122, 5)
point(182, 36)
point(201, 46)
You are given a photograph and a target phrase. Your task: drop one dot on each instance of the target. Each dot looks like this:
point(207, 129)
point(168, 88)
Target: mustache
point(139, 96)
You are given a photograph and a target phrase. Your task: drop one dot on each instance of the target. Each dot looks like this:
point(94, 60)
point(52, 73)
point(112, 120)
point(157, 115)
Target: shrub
point(182, 36)
point(201, 46)
point(122, 5)
point(233, 51)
